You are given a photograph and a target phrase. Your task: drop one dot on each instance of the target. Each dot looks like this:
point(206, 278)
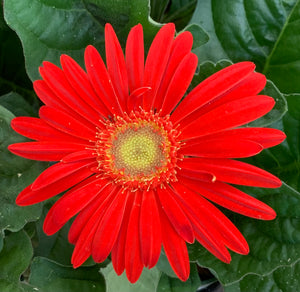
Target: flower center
point(138, 150)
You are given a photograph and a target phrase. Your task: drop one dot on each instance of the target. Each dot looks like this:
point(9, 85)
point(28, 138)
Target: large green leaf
point(48, 29)
point(272, 244)
point(147, 282)
point(171, 284)
point(264, 31)
point(284, 279)
point(49, 276)
point(15, 258)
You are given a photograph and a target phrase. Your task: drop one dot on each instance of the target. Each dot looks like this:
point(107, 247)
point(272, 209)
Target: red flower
point(138, 167)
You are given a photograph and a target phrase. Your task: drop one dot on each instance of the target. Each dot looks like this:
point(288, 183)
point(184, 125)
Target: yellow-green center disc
point(138, 151)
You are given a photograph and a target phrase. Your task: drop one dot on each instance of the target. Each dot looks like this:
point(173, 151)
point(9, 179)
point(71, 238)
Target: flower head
point(139, 167)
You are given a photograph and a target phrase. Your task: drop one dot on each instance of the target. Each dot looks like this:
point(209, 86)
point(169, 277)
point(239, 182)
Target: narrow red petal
point(250, 85)
point(211, 88)
point(79, 156)
point(116, 65)
point(47, 96)
point(118, 251)
point(150, 230)
point(231, 171)
point(100, 80)
point(30, 197)
point(37, 129)
point(207, 235)
point(108, 230)
point(44, 151)
point(70, 204)
point(134, 101)
point(135, 57)
point(83, 247)
point(266, 137)
point(66, 123)
point(79, 80)
point(58, 171)
point(58, 83)
point(102, 200)
point(180, 82)
point(175, 214)
point(133, 260)
point(175, 249)
point(156, 62)
point(229, 115)
point(182, 45)
point(226, 147)
point(232, 199)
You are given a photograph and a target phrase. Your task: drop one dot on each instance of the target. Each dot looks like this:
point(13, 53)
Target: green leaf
point(207, 69)
point(199, 35)
point(16, 104)
point(72, 26)
point(283, 279)
point(272, 244)
point(175, 285)
point(147, 282)
point(15, 258)
point(158, 8)
point(283, 63)
point(49, 276)
point(265, 32)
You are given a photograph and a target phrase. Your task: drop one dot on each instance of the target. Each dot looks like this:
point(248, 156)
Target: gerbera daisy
point(138, 167)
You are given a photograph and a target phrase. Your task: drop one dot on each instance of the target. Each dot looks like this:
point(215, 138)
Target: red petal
point(58, 83)
point(44, 151)
point(116, 65)
point(37, 129)
point(133, 261)
point(101, 201)
point(156, 62)
point(30, 197)
point(109, 227)
point(231, 171)
point(100, 80)
point(229, 115)
point(176, 216)
point(249, 86)
point(150, 230)
point(78, 156)
point(134, 100)
point(79, 80)
point(135, 57)
point(266, 137)
point(232, 199)
point(118, 250)
point(179, 83)
point(66, 123)
point(58, 171)
point(211, 88)
point(71, 203)
point(207, 235)
point(182, 45)
point(83, 247)
point(226, 147)
point(175, 249)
